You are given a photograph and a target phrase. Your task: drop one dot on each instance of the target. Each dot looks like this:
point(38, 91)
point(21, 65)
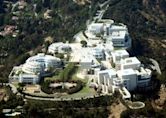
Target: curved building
point(32, 67)
point(53, 48)
point(59, 48)
point(41, 63)
point(65, 48)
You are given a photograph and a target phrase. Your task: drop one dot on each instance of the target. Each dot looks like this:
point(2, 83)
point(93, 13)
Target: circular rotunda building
point(41, 63)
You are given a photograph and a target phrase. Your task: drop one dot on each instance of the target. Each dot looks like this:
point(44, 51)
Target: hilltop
point(146, 20)
point(25, 24)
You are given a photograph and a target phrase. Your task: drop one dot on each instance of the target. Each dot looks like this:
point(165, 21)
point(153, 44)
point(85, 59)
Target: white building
point(143, 77)
point(17, 75)
point(34, 68)
point(88, 63)
point(98, 53)
point(105, 79)
point(125, 93)
point(95, 28)
point(65, 48)
point(41, 62)
point(59, 48)
point(118, 55)
point(131, 62)
point(85, 58)
point(106, 76)
point(128, 78)
point(119, 36)
point(118, 27)
point(29, 78)
point(53, 48)
point(100, 28)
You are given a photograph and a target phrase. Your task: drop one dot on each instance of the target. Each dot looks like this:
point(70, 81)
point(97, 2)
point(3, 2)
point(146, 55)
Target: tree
point(84, 43)
point(1, 21)
point(162, 78)
point(1, 114)
point(45, 87)
point(66, 74)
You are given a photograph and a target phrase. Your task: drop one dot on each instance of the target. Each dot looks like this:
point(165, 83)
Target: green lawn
point(85, 92)
point(86, 89)
point(55, 77)
point(74, 77)
point(85, 80)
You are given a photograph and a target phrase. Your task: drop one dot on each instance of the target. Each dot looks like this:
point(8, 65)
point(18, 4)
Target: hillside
point(25, 24)
point(28, 27)
point(155, 10)
point(60, 20)
point(146, 20)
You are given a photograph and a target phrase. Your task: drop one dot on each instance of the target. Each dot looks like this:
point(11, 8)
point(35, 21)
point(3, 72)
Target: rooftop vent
point(128, 61)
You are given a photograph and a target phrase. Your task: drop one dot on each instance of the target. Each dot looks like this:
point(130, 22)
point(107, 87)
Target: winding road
point(156, 64)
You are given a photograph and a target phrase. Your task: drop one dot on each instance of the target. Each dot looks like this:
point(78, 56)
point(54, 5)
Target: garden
point(66, 84)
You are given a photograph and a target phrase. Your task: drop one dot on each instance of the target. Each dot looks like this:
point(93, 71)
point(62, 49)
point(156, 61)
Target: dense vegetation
point(80, 108)
point(64, 76)
point(77, 88)
point(34, 28)
point(147, 26)
point(45, 87)
point(148, 111)
point(67, 112)
point(147, 34)
point(13, 100)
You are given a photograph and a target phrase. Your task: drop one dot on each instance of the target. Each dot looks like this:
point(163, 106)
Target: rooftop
point(126, 72)
point(131, 60)
point(41, 57)
point(119, 27)
point(83, 55)
point(120, 53)
point(29, 75)
point(111, 72)
point(118, 34)
point(57, 44)
point(97, 50)
point(96, 24)
point(107, 21)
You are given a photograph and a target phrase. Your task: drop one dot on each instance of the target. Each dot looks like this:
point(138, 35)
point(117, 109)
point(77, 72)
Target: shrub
point(66, 74)
point(45, 87)
point(84, 43)
point(77, 88)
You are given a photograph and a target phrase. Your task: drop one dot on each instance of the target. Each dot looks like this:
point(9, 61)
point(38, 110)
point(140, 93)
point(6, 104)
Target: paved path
point(98, 17)
point(62, 99)
point(75, 108)
point(105, 3)
point(155, 63)
point(102, 11)
point(13, 88)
